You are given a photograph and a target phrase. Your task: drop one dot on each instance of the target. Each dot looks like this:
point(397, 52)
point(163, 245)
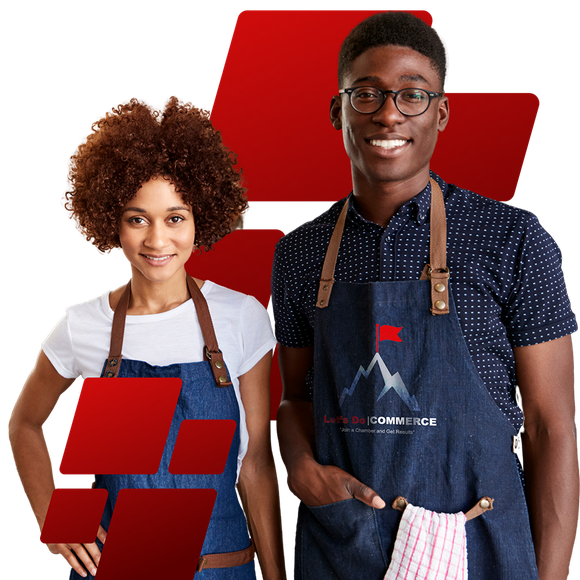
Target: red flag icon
point(386, 332)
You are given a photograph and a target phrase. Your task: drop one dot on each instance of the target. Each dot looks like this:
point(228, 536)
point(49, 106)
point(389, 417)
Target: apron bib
point(406, 413)
point(206, 393)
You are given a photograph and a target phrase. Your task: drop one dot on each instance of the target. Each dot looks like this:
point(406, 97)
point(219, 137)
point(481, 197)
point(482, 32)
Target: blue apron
point(206, 393)
point(406, 413)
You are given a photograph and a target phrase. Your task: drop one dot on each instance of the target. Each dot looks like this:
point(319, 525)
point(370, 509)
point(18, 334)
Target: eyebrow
point(402, 79)
point(174, 208)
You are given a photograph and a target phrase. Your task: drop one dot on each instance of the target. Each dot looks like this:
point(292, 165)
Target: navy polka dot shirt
point(506, 276)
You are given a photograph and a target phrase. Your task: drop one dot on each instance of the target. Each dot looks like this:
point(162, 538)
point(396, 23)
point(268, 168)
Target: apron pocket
point(339, 540)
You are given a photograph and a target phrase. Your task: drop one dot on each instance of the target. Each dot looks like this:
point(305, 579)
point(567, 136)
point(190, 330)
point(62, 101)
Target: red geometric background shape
point(156, 534)
point(74, 516)
point(242, 261)
point(202, 446)
point(273, 100)
point(120, 425)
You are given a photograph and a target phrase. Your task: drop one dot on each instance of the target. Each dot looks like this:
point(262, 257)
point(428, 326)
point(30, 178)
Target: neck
point(151, 297)
point(379, 201)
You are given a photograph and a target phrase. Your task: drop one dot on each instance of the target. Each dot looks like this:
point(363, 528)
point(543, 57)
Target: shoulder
point(92, 311)
point(312, 231)
point(230, 306)
point(479, 215)
point(303, 249)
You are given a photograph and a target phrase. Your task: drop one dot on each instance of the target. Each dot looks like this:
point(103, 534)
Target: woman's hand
point(88, 554)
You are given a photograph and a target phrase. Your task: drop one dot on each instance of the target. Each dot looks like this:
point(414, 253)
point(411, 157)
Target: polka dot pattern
point(506, 276)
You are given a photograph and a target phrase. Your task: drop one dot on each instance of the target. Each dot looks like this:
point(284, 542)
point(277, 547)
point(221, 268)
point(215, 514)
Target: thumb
point(365, 494)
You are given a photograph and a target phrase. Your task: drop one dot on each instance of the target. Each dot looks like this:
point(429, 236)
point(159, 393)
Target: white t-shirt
point(79, 344)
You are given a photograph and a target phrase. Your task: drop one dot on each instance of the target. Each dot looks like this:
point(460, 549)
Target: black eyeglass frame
point(384, 94)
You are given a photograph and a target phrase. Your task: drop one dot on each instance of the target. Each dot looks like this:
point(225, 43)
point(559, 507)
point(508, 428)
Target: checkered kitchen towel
point(429, 546)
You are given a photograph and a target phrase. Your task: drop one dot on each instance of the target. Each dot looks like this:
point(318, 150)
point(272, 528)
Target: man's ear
point(336, 112)
point(443, 112)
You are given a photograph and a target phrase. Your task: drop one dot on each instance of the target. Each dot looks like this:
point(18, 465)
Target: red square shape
point(74, 516)
point(202, 446)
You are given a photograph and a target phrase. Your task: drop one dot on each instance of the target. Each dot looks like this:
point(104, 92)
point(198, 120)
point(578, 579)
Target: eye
point(366, 94)
point(136, 220)
point(175, 219)
point(413, 96)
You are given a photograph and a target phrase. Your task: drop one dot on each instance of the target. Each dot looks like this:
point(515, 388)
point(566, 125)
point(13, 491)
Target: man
point(401, 340)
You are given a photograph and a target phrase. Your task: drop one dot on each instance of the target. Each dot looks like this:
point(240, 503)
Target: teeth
point(388, 143)
point(157, 259)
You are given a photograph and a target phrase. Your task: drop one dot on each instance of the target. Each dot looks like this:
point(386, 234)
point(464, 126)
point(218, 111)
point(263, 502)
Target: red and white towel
point(429, 546)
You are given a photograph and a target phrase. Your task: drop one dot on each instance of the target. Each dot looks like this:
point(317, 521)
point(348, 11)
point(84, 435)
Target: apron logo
point(384, 332)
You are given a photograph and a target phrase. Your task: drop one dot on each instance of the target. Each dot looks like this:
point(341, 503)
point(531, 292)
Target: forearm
point(295, 432)
point(551, 472)
point(258, 489)
point(34, 466)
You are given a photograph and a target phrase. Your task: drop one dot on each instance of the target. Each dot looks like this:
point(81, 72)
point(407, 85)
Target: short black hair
point(396, 29)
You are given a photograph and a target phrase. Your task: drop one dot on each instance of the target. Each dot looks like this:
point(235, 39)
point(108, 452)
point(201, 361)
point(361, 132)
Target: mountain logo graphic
point(390, 381)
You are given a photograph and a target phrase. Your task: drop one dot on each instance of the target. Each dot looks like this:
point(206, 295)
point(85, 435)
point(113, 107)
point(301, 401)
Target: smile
point(388, 143)
point(158, 260)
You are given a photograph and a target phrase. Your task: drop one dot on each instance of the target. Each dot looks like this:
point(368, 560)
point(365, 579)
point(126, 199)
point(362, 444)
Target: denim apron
point(206, 393)
point(399, 404)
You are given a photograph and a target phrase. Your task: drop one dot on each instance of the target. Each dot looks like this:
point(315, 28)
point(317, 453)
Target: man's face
point(412, 139)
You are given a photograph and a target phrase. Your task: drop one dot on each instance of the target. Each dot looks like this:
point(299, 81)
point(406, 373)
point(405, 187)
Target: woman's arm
point(37, 400)
point(546, 380)
point(257, 483)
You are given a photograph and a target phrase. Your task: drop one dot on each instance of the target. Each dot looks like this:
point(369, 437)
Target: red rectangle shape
point(73, 516)
point(156, 534)
point(120, 425)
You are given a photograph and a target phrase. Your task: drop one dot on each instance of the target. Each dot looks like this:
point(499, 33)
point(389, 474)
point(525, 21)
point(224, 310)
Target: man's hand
point(88, 554)
point(318, 485)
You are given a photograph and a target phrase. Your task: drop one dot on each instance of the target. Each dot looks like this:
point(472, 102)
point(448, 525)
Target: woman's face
point(157, 231)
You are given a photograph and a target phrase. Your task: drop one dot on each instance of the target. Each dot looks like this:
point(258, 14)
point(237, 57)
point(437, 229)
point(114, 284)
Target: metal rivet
point(440, 305)
point(484, 504)
point(325, 287)
point(109, 374)
point(219, 364)
point(321, 303)
point(401, 504)
point(113, 362)
point(439, 287)
point(223, 379)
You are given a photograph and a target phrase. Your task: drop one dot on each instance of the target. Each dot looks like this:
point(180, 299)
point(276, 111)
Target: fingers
point(72, 553)
point(101, 534)
point(318, 485)
point(365, 494)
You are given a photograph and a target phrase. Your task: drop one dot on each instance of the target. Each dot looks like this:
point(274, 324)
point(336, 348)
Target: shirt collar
point(418, 206)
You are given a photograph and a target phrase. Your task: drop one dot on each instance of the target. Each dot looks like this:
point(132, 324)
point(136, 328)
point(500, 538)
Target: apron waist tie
point(227, 559)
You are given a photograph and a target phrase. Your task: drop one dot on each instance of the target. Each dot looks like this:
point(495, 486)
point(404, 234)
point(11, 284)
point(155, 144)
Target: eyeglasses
point(409, 102)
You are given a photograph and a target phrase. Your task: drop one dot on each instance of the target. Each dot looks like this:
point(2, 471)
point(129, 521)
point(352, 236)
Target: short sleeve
point(538, 308)
point(256, 334)
point(59, 350)
point(292, 326)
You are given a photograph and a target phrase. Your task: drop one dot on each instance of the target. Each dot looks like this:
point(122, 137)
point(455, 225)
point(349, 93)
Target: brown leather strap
point(211, 349)
point(227, 559)
point(437, 270)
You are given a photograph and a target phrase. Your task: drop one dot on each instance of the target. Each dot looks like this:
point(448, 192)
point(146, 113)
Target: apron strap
point(437, 270)
point(211, 349)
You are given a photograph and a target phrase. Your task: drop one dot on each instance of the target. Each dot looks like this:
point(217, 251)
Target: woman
point(159, 185)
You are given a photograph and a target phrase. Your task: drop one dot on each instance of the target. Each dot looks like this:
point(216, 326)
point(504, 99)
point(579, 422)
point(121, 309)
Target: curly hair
point(392, 28)
point(133, 144)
